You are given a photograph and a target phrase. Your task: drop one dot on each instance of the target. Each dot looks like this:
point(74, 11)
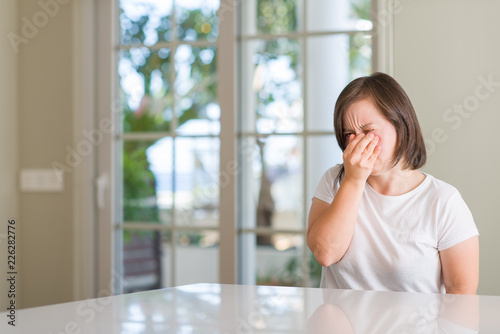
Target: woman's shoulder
point(331, 174)
point(334, 170)
point(440, 188)
point(327, 188)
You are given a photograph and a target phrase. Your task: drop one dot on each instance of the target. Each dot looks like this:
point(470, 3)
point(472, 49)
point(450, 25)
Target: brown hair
point(391, 100)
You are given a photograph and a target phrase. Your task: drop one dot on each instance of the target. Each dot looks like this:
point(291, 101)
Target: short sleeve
point(456, 224)
point(326, 189)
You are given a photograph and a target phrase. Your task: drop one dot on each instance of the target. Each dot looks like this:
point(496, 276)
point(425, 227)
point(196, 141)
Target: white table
point(214, 308)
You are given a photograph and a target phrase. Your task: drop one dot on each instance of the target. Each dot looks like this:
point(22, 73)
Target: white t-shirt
point(397, 239)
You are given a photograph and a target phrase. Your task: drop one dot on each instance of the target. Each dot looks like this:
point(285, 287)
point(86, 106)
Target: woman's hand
point(360, 156)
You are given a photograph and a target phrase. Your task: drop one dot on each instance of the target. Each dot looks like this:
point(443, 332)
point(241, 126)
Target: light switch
point(40, 180)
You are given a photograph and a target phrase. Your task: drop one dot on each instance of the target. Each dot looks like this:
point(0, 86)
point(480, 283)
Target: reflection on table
point(348, 311)
point(214, 308)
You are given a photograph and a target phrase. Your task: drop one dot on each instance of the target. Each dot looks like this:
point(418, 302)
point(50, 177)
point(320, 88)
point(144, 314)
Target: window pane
point(276, 263)
point(145, 88)
point(360, 55)
point(272, 89)
point(323, 152)
point(147, 259)
point(196, 90)
point(143, 265)
point(197, 20)
point(145, 21)
point(197, 257)
point(161, 156)
point(272, 183)
point(333, 61)
point(197, 181)
point(270, 16)
point(140, 184)
point(338, 15)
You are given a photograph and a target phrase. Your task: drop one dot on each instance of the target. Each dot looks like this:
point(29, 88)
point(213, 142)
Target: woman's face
point(363, 117)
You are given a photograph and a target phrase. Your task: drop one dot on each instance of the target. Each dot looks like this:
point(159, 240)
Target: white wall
point(442, 50)
point(8, 133)
point(45, 126)
point(36, 90)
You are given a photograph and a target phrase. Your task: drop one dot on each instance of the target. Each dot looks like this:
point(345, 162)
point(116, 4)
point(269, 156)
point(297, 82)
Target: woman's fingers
point(360, 148)
point(363, 143)
point(371, 146)
point(375, 154)
point(360, 155)
point(353, 141)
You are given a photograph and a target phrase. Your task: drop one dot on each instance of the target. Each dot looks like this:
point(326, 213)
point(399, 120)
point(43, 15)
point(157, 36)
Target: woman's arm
point(331, 226)
point(460, 265)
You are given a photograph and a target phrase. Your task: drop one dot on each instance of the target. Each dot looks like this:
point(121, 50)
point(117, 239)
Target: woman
point(378, 223)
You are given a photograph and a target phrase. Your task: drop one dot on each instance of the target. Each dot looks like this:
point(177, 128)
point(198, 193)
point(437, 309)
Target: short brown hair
point(393, 102)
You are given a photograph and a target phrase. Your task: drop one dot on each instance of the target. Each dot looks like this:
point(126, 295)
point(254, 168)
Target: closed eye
point(347, 134)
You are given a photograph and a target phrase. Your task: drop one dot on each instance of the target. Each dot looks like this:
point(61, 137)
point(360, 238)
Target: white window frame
point(93, 31)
